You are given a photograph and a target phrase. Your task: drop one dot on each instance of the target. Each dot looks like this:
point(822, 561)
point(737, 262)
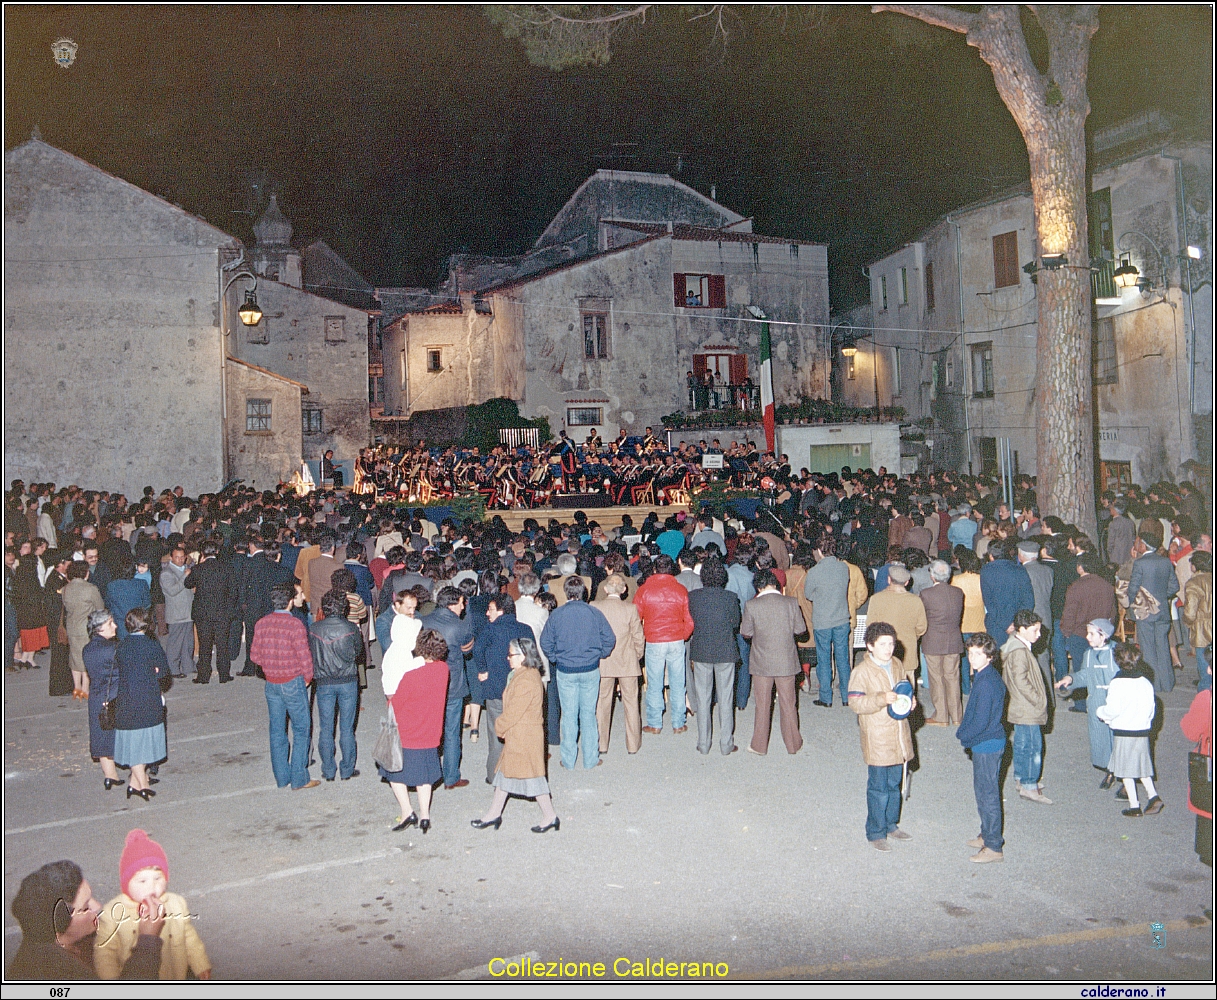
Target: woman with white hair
point(98, 659)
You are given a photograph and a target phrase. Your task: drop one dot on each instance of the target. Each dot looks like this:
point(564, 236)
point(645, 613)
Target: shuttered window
point(699, 291)
point(1005, 260)
point(929, 284)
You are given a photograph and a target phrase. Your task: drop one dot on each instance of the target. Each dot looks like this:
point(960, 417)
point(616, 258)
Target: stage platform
point(606, 517)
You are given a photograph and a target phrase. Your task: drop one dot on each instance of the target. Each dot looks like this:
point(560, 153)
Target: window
point(700, 291)
point(988, 455)
point(982, 370)
point(794, 251)
point(883, 289)
point(257, 416)
point(929, 284)
point(903, 290)
point(896, 370)
point(1005, 260)
point(1115, 476)
point(335, 329)
point(1103, 353)
point(595, 335)
point(950, 378)
point(376, 390)
point(584, 416)
point(435, 359)
point(310, 420)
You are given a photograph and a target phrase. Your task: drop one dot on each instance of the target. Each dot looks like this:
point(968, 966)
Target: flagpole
point(767, 408)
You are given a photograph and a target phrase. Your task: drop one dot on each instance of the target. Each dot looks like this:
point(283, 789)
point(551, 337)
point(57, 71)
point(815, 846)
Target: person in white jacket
point(1129, 711)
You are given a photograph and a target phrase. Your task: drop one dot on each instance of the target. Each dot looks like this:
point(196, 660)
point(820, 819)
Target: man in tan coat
point(887, 742)
point(1027, 708)
point(620, 668)
point(903, 611)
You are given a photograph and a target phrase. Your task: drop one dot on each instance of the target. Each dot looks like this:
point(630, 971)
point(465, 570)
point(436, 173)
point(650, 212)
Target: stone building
point(114, 363)
point(638, 280)
point(952, 319)
point(122, 369)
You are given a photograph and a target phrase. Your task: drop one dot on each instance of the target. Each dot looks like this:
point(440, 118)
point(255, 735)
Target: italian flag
point(767, 387)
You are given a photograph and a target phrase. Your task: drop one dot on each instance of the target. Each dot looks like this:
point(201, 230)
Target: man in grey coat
point(827, 587)
point(179, 599)
point(772, 622)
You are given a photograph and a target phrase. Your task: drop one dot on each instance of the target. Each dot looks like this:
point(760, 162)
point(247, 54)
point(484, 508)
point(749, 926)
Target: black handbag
point(109, 714)
point(1200, 781)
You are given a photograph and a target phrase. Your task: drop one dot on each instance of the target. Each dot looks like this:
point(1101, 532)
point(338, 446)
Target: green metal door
point(831, 457)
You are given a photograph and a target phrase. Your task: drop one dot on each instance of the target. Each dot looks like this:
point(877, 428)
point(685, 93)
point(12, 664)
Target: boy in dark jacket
point(982, 732)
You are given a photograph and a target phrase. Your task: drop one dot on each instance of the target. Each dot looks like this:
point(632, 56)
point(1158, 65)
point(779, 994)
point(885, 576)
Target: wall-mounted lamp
point(250, 312)
point(1194, 252)
point(1053, 261)
point(1126, 275)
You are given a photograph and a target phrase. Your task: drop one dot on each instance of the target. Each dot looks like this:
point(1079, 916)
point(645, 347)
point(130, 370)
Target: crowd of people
point(628, 470)
point(529, 640)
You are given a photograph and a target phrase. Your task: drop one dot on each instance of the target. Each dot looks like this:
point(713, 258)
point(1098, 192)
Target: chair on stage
point(643, 493)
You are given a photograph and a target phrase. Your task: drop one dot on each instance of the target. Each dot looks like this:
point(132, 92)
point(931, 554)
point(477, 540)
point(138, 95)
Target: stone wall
point(316, 341)
point(112, 353)
point(263, 458)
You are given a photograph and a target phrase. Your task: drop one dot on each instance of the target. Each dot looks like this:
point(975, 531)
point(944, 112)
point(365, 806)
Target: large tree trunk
point(1050, 110)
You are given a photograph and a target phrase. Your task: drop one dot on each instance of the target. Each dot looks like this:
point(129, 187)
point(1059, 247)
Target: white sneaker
point(1034, 795)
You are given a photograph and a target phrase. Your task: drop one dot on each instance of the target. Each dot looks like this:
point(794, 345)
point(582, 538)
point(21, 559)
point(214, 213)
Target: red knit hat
point(140, 852)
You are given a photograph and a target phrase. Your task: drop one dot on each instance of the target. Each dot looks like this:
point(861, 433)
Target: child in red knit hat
point(144, 876)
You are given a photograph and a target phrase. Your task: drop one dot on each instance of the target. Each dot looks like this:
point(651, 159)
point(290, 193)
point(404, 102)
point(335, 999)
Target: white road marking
point(209, 736)
point(319, 866)
point(127, 812)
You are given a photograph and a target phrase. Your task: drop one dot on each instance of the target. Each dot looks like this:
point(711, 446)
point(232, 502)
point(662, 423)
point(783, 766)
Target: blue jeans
point(578, 694)
point(965, 669)
point(1204, 668)
point(661, 655)
point(452, 739)
point(882, 800)
point(1060, 661)
point(553, 709)
point(743, 679)
point(986, 785)
point(1028, 755)
point(830, 641)
point(341, 700)
point(284, 702)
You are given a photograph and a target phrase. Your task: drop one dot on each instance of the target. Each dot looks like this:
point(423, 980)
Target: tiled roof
point(681, 231)
point(267, 371)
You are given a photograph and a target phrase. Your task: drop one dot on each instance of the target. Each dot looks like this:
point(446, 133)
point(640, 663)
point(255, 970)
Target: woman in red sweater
point(418, 705)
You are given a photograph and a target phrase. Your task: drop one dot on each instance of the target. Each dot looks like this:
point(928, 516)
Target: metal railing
point(1102, 279)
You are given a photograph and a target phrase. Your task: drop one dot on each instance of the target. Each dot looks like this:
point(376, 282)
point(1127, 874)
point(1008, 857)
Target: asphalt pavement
point(756, 865)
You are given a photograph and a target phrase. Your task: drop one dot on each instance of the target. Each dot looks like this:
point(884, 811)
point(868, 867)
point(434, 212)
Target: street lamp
point(250, 312)
point(1126, 275)
point(849, 348)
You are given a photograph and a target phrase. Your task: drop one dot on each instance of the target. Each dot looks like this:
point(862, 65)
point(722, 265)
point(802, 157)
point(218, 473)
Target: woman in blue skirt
point(139, 736)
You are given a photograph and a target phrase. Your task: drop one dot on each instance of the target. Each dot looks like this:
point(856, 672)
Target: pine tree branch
point(937, 14)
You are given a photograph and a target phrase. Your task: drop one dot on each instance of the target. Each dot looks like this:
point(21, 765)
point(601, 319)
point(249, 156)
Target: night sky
point(400, 135)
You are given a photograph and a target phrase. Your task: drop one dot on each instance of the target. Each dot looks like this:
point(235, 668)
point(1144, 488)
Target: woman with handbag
point(98, 658)
point(417, 704)
point(139, 738)
point(80, 599)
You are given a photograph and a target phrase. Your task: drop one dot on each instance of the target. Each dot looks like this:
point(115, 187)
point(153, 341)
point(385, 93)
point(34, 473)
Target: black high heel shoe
point(143, 793)
point(556, 825)
point(411, 820)
point(108, 783)
point(424, 825)
point(481, 824)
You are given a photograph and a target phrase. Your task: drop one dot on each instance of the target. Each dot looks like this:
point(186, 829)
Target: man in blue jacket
point(982, 732)
point(1153, 571)
point(490, 661)
point(576, 638)
point(458, 634)
point(1006, 589)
